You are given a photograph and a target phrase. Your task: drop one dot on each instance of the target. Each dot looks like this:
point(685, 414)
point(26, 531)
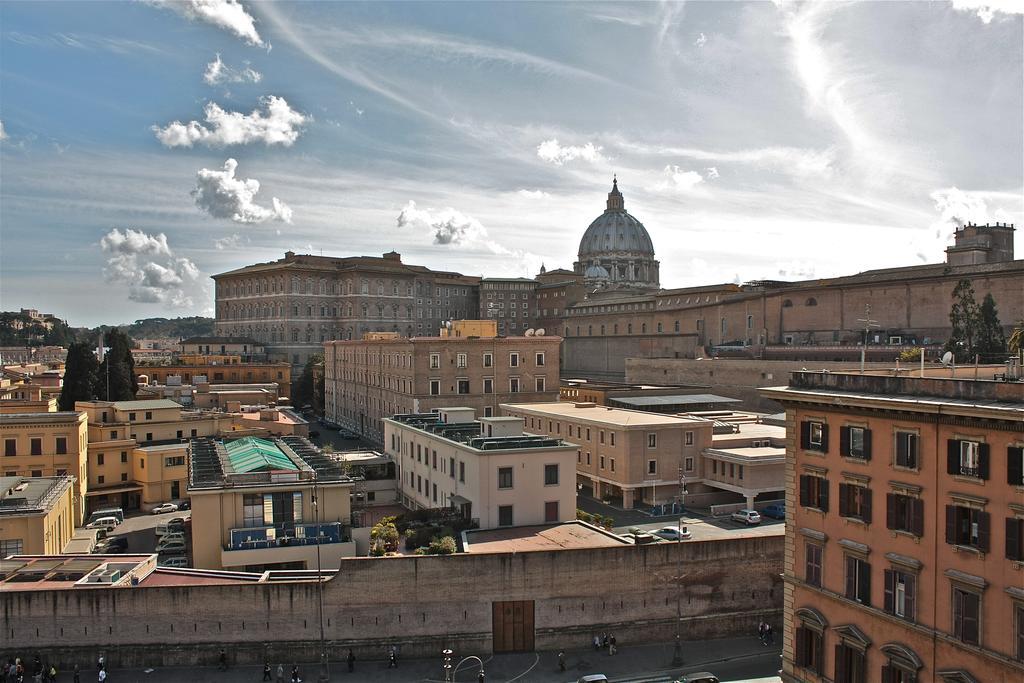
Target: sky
point(145, 146)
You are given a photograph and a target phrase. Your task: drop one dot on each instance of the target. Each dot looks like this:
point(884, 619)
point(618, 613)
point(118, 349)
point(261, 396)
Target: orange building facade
point(905, 527)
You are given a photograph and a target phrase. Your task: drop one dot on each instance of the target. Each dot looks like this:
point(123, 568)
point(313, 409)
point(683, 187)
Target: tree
point(80, 372)
point(116, 379)
point(309, 389)
point(991, 340)
point(965, 320)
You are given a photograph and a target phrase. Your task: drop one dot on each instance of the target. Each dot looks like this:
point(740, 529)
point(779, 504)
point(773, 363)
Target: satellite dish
point(947, 358)
point(528, 333)
point(540, 332)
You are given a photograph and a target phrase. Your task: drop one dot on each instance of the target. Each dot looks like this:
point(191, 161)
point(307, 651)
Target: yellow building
point(137, 450)
point(25, 398)
point(36, 515)
point(47, 444)
point(255, 498)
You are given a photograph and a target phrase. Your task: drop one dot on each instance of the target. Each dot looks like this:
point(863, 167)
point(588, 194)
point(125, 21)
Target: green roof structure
point(251, 454)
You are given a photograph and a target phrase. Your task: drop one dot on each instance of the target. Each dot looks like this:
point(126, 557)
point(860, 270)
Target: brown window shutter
point(890, 511)
point(1015, 466)
point(984, 531)
point(865, 504)
point(824, 438)
point(983, 458)
point(805, 435)
point(851, 578)
point(864, 570)
point(1013, 538)
point(844, 441)
point(951, 524)
point(841, 664)
point(823, 495)
point(888, 674)
point(971, 609)
point(890, 600)
point(917, 517)
point(953, 457)
point(805, 490)
point(911, 597)
point(867, 444)
point(844, 500)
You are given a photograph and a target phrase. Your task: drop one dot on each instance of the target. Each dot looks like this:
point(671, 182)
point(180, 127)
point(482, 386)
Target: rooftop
point(61, 416)
point(468, 434)
point(153, 404)
point(251, 454)
point(674, 399)
point(31, 495)
point(250, 461)
point(602, 414)
point(569, 535)
point(221, 340)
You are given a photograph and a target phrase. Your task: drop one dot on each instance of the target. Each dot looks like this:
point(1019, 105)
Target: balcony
point(273, 545)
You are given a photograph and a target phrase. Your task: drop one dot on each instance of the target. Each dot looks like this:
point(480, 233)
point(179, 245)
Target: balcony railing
point(278, 537)
point(970, 471)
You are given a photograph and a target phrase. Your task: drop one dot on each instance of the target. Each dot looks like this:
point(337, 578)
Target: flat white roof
point(602, 414)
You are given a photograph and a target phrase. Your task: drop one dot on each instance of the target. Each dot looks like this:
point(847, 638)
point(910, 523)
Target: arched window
point(643, 328)
point(903, 664)
point(787, 304)
point(811, 302)
point(677, 326)
point(659, 327)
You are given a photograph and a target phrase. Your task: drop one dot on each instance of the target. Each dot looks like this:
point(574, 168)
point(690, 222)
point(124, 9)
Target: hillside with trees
point(19, 329)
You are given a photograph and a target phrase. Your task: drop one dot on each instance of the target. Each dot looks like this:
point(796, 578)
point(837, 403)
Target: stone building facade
point(905, 527)
point(510, 302)
point(369, 379)
point(295, 304)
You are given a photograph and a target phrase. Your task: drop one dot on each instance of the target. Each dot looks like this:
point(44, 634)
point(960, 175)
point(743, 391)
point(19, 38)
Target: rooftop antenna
point(868, 324)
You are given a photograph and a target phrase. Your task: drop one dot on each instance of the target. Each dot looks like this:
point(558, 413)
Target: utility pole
point(868, 324)
point(677, 654)
point(324, 671)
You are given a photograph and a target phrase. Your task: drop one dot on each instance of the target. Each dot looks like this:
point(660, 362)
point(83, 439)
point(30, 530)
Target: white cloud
point(222, 195)
point(987, 9)
point(217, 73)
point(3, 133)
point(229, 15)
point(678, 180)
point(229, 242)
point(956, 207)
point(701, 40)
point(557, 154)
point(147, 266)
point(447, 226)
point(278, 125)
point(792, 160)
point(712, 172)
point(533, 194)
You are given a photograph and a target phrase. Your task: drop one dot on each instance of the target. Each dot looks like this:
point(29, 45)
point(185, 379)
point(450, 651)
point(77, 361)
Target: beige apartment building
point(368, 380)
point(37, 514)
point(268, 504)
point(137, 450)
point(489, 469)
point(624, 455)
point(47, 444)
point(746, 457)
point(905, 526)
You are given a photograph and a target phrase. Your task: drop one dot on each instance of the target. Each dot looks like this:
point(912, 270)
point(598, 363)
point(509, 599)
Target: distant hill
point(21, 329)
point(155, 328)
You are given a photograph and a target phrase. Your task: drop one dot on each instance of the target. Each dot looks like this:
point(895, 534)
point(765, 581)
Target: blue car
point(775, 511)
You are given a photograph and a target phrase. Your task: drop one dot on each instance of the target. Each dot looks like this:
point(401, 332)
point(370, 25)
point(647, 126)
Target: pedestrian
point(295, 674)
point(102, 676)
point(53, 673)
point(222, 658)
point(760, 631)
point(604, 640)
point(266, 671)
point(280, 673)
point(597, 642)
point(393, 658)
point(78, 675)
point(612, 640)
point(351, 659)
point(771, 633)
point(561, 661)
point(100, 662)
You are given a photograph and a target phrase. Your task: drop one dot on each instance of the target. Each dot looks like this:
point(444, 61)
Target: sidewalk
point(629, 662)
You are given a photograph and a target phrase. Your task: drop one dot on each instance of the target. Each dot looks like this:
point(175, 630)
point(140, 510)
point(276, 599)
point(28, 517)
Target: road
point(141, 530)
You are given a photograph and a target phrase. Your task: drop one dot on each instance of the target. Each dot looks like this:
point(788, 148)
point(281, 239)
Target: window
point(688, 439)
point(131, 417)
point(10, 546)
point(1015, 539)
point(460, 360)
point(1015, 466)
point(124, 476)
point(451, 467)
point(652, 440)
point(966, 615)
point(504, 515)
point(149, 415)
point(513, 385)
point(462, 472)
point(855, 442)
point(652, 467)
point(488, 360)
point(689, 464)
point(1018, 618)
point(851, 663)
point(435, 387)
point(550, 475)
point(36, 446)
point(855, 502)
point(462, 386)
point(434, 460)
point(539, 383)
point(124, 456)
point(504, 477)
point(814, 436)
point(551, 511)
point(513, 360)
point(814, 492)
point(900, 593)
point(967, 458)
point(99, 458)
point(906, 450)
point(966, 526)
point(809, 649)
point(601, 462)
point(174, 461)
point(812, 563)
point(10, 447)
point(904, 513)
point(61, 447)
point(612, 463)
point(100, 479)
point(435, 361)
point(540, 360)
point(612, 436)
point(858, 579)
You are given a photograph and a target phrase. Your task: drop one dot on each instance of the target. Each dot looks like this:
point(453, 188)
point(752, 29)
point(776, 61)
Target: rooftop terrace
point(221, 463)
point(468, 434)
point(31, 495)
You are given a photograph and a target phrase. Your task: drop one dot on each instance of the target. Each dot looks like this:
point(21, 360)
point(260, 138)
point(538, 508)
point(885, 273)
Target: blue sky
point(754, 140)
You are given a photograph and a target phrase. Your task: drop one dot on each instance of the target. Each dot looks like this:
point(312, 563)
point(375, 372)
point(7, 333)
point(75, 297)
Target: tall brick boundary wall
point(420, 604)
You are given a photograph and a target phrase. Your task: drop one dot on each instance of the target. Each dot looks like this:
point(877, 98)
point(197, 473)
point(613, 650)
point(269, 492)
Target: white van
point(105, 523)
point(176, 561)
point(117, 513)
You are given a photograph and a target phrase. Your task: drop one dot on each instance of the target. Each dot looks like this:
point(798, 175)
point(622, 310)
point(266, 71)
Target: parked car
point(698, 677)
point(171, 525)
point(593, 678)
point(346, 434)
point(175, 561)
point(105, 523)
point(117, 513)
point(775, 511)
point(172, 537)
point(116, 544)
point(671, 533)
point(183, 504)
point(176, 547)
point(165, 507)
point(748, 517)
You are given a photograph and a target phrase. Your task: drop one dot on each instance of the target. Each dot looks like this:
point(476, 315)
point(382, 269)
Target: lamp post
point(677, 653)
point(324, 674)
point(447, 653)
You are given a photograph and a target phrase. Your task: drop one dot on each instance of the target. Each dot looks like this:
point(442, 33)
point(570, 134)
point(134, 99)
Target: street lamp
point(324, 674)
point(447, 664)
point(677, 653)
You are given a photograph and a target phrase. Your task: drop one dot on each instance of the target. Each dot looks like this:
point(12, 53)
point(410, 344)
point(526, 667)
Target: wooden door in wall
point(512, 626)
